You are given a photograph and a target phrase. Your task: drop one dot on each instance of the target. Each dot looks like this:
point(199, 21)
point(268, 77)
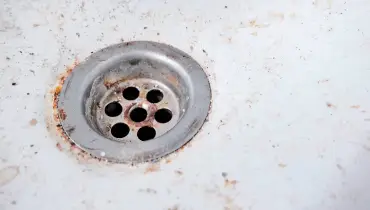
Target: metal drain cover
point(134, 102)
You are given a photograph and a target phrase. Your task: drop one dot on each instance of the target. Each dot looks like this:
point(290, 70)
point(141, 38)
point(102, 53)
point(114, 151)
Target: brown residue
point(152, 108)
point(59, 146)
point(230, 183)
point(33, 122)
point(330, 105)
point(282, 165)
point(65, 143)
point(152, 168)
point(355, 107)
point(62, 114)
point(173, 80)
point(181, 149)
point(168, 160)
point(253, 23)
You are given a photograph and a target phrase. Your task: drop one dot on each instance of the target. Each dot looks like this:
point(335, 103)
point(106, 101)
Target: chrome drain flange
point(134, 102)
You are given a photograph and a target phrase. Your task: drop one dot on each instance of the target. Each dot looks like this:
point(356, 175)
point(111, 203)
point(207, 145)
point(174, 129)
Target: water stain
point(8, 174)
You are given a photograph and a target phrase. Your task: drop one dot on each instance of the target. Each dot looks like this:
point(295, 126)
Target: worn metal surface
point(105, 76)
point(288, 129)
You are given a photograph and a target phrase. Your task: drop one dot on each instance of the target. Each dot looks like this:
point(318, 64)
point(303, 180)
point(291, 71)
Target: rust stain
point(355, 107)
point(62, 114)
point(173, 80)
point(151, 109)
point(330, 105)
point(253, 23)
point(181, 149)
point(152, 168)
point(113, 83)
point(230, 183)
point(59, 115)
point(33, 122)
point(59, 146)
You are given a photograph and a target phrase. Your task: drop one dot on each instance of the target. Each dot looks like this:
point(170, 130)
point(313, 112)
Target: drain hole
point(138, 114)
point(163, 116)
point(113, 109)
point(130, 93)
point(154, 96)
point(146, 133)
point(120, 130)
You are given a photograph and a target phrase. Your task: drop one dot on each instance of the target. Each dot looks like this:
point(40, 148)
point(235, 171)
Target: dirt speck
point(148, 190)
point(340, 167)
point(36, 25)
point(14, 83)
point(224, 174)
point(333, 196)
point(322, 81)
point(8, 174)
point(14, 202)
point(330, 105)
point(33, 122)
point(282, 165)
point(178, 172)
point(175, 207)
point(205, 52)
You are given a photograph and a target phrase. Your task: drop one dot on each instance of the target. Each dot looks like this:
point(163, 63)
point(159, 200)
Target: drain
point(135, 101)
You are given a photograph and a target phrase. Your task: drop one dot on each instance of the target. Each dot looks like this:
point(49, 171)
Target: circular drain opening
point(138, 115)
point(113, 109)
point(154, 96)
point(163, 116)
point(155, 99)
point(120, 130)
point(146, 133)
point(130, 93)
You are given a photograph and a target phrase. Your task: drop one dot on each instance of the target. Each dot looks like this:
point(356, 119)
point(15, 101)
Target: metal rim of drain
point(135, 101)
